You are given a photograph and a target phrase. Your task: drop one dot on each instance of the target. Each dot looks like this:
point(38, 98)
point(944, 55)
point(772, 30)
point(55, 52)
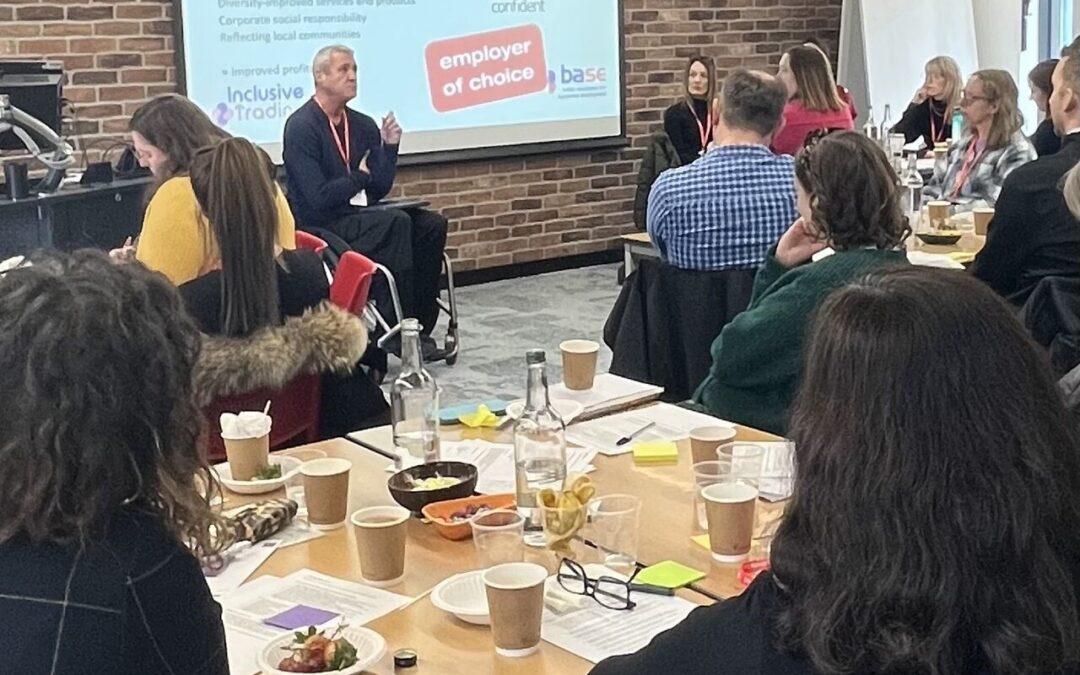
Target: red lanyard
point(703, 129)
point(934, 130)
point(343, 149)
point(970, 160)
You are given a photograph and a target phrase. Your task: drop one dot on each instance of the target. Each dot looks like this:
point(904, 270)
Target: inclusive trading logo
point(273, 102)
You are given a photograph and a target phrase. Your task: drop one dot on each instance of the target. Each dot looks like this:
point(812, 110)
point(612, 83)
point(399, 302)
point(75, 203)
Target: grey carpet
point(500, 320)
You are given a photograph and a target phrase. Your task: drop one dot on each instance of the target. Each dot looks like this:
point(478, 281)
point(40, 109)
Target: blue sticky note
point(300, 616)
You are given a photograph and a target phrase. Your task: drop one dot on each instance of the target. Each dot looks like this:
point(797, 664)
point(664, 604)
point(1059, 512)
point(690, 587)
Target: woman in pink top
point(813, 102)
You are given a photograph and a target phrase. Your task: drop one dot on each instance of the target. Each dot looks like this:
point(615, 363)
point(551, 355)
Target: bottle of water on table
point(414, 403)
point(539, 448)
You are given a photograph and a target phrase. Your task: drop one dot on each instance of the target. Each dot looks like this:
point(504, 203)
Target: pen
point(652, 590)
point(626, 439)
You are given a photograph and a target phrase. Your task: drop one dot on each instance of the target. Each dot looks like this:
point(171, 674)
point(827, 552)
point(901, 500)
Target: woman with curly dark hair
point(101, 514)
point(849, 200)
point(933, 527)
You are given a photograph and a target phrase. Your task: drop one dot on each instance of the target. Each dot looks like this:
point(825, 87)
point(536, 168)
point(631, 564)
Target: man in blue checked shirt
point(724, 210)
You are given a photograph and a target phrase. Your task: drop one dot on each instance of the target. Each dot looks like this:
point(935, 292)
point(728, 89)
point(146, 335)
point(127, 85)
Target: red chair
point(294, 409)
point(310, 242)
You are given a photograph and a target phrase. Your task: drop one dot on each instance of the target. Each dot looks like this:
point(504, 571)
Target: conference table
point(668, 520)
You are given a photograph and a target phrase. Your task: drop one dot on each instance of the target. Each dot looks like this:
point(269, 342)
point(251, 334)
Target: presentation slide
point(458, 74)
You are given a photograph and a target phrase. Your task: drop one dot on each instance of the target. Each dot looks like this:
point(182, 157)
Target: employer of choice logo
point(472, 70)
point(255, 102)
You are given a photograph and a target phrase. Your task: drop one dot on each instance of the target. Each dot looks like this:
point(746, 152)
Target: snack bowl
point(464, 596)
point(439, 513)
point(939, 238)
point(370, 647)
point(401, 489)
point(289, 467)
point(566, 408)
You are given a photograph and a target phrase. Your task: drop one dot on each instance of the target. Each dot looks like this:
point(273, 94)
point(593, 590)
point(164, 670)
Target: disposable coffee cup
point(579, 363)
point(246, 438)
point(983, 216)
point(380, 540)
point(705, 441)
point(326, 491)
point(729, 510)
point(515, 595)
point(939, 214)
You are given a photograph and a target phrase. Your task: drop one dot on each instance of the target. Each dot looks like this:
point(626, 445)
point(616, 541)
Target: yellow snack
point(564, 513)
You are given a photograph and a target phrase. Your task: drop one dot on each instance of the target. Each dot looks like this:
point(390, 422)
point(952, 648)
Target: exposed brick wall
point(118, 54)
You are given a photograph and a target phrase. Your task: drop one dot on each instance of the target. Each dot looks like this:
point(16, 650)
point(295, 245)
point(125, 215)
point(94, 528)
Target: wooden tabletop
point(668, 518)
point(444, 643)
point(636, 238)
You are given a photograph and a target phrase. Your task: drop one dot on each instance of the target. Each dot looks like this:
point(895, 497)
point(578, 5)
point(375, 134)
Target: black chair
point(666, 319)
point(1052, 314)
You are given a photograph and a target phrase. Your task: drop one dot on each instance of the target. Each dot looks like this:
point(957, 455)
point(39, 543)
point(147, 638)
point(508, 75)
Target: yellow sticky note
point(656, 452)
point(702, 540)
point(669, 574)
point(483, 417)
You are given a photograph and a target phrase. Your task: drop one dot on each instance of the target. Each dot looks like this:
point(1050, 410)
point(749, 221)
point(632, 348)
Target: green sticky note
point(668, 574)
point(656, 452)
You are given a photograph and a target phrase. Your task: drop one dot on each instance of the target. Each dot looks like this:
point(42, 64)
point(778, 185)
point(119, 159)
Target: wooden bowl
point(939, 238)
point(456, 530)
point(415, 500)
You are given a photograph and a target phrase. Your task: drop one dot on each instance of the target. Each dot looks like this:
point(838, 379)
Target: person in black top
point(689, 122)
point(1032, 234)
point(929, 115)
point(101, 514)
point(932, 527)
point(1040, 81)
point(337, 159)
point(258, 284)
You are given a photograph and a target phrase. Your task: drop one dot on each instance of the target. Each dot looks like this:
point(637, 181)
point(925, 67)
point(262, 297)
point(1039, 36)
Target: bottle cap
point(411, 325)
point(405, 658)
point(535, 356)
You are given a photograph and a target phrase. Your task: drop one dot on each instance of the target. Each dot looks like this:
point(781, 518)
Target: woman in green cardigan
point(848, 201)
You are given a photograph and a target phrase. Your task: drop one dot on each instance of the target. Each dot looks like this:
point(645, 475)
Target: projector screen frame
point(620, 140)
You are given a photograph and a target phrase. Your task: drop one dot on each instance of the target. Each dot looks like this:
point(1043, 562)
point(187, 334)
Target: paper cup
point(983, 216)
point(380, 540)
point(247, 456)
point(705, 441)
point(579, 363)
point(729, 510)
point(326, 491)
point(515, 595)
point(939, 214)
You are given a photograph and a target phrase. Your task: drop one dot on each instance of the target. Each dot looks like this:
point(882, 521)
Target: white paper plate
point(370, 647)
point(464, 596)
point(289, 467)
point(566, 408)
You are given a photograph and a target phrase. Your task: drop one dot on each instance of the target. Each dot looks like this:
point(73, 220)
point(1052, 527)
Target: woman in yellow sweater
point(175, 238)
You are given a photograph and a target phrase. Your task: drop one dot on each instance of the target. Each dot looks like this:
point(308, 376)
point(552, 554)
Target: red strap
point(343, 148)
point(703, 130)
point(971, 158)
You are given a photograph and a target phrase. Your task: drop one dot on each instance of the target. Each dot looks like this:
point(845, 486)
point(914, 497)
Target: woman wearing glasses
point(849, 200)
point(990, 147)
point(933, 524)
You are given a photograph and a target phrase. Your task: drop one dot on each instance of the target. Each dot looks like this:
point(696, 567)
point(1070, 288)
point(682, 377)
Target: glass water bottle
point(414, 403)
point(539, 448)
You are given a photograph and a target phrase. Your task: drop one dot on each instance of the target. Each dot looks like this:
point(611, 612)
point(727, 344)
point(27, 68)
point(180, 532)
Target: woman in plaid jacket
point(990, 147)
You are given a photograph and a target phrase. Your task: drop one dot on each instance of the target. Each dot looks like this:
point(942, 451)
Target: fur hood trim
point(324, 339)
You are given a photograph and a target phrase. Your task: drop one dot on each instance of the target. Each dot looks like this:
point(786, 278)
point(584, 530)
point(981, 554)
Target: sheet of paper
point(495, 462)
point(359, 199)
point(241, 567)
point(594, 633)
point(245, 609)
point(608, 392)
point(671, 423)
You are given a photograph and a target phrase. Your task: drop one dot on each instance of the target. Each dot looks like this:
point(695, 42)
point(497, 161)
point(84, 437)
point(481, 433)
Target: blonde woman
point(991, 147)
point(930, 114)
point(813, 102)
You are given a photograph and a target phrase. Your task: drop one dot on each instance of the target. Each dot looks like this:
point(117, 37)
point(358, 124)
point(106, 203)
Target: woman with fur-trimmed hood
point(264, 311)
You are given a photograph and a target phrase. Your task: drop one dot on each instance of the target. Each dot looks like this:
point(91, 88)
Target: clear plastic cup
point(613, 530)
point(497, 535)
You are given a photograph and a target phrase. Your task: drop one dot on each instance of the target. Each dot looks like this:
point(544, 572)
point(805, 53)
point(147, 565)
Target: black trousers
point(410, 244)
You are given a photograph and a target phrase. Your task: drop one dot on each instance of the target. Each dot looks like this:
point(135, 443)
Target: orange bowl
point(439, 513)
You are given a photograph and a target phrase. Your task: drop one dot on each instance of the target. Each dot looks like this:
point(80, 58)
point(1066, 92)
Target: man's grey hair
point(321, 62)
point(753, 101)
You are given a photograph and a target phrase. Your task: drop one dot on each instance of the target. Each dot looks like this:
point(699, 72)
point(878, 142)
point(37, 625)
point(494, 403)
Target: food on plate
point(313, 652)
point(468, 512)
point(564, 513)
point(434, 483)
point(268, 472)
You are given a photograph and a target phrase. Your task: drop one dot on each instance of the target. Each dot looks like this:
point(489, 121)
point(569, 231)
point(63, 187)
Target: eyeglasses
point(966, 98)
point(608, 591)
